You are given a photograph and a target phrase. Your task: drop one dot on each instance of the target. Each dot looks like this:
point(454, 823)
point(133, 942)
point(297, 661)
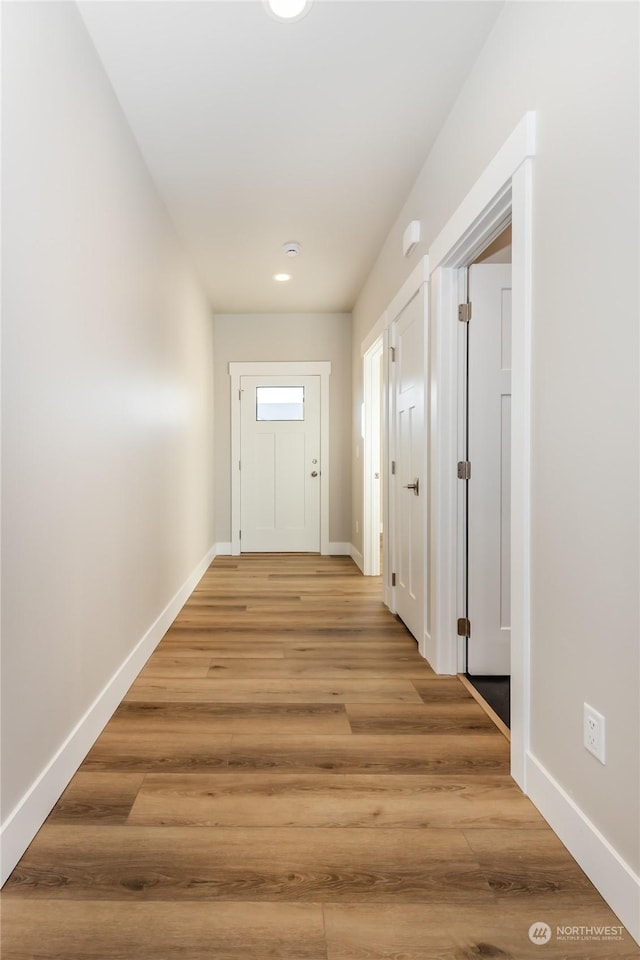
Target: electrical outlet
point(594, 726)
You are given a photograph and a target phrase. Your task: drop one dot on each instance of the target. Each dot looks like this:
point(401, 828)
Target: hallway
point(288, 779)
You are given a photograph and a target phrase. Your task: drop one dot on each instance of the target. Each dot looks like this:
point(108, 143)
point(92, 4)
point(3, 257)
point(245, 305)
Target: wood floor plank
point(440, 689)
point(332, 800)
point(532, 866)
point(104, 930)
point(158, 666)
point(212, 690)
point(139, 719)
point(97, 798)
point(488, 931)
point(265, 864)
point(213, 597)
point(453, 717)
point(187, 647)
point(233, 609)
point(487, 753)
point(387, 649)
point(179, 752)
point(316, 669)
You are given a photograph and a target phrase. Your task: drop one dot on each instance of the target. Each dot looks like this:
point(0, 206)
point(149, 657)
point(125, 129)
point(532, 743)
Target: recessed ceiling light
point(282, 277)
point(288, 9)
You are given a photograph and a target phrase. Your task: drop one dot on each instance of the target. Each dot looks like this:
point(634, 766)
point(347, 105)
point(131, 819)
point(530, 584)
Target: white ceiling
point(258, 131)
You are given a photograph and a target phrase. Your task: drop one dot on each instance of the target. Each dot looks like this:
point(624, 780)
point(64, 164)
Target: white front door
point(410, 480)
point(280, 463)
point(489, 503)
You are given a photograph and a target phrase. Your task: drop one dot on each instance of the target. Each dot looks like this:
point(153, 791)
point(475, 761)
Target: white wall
point(288, 336)
point(107, 392)
point(577, 65)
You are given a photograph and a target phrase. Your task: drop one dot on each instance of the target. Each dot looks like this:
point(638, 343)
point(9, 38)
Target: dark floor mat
point(497, 692)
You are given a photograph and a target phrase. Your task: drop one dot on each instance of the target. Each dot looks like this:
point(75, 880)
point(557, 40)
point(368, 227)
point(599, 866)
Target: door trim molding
point(321, 368)
point(410, 289)
point(503, 189)
point(373, 378)
point(383, 328)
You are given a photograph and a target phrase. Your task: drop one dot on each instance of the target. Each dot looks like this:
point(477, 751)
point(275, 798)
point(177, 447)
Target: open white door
point(489, 495)
point(280, 463)
point(410, 479)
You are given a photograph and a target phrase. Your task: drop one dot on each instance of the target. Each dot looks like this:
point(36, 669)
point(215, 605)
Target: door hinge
point(464, 312)
point(239, 464)
point(239, 394)
point(393, 466)
point(393, 579)
point(393, 354)
point(464, 470)
point(239, 534)
point(464, 627)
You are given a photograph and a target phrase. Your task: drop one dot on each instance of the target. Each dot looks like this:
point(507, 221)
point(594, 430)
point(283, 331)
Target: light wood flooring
point(288, 780)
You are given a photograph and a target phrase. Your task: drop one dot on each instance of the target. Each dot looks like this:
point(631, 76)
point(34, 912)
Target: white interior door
point(280, 463)
point(489, 503)
point(409, 532)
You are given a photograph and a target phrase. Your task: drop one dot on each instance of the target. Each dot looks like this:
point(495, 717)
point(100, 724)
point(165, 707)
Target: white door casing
point(489, 503)
point(280, 464)
point(239, 369)
point(410, 480)
point(503, 191)
point(373, 472)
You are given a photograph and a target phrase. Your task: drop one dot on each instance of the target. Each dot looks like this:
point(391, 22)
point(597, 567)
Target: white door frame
point(373, 391)
point(237, 370)
point(384, 328)
point(503, 191)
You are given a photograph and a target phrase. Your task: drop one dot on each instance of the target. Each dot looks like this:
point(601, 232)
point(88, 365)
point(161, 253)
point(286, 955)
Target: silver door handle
point(414, 486)
point(314, 473)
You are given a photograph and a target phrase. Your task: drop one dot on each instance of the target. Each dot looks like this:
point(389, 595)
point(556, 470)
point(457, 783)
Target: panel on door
point(410, 482)
point(489, 495)
point(280, 464)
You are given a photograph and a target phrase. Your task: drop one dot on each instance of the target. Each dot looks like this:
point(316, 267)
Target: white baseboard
point(427, 648)
point(606, 869)
point(334, 549)
point(25, 820)
point(339, 549)
point(356, 556)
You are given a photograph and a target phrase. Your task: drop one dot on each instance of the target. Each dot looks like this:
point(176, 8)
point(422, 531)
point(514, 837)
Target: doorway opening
point(502, 194)
point(486, 406)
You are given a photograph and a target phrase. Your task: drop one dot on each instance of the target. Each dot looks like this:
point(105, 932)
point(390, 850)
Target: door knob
point(414, 486)
point(314, 473)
